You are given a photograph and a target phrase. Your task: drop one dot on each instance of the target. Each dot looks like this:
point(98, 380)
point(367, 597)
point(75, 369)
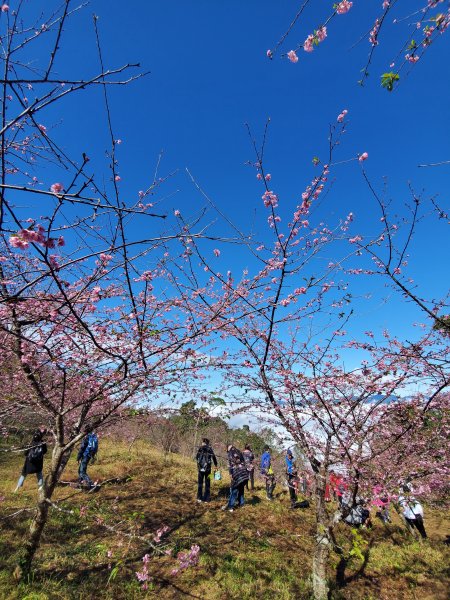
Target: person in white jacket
point(413, 513)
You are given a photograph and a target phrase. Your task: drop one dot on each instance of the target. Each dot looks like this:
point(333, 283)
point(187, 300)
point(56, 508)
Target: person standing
point(233, 453)
point(267, 472)
point(205, 457)
point(413, 514)
point(249, 458)
point(34, 460)
point(87, 451)
point(239, 480)
point(291, 473)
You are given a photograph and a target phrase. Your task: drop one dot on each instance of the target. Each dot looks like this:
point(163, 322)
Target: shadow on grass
point(79, 576)
point(341, 579)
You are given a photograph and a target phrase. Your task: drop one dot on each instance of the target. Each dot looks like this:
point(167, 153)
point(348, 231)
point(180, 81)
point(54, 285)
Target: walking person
point(413, 514)
point(292, 477)
point(34, 459)
point(205, 458)
point(249, 458)
point(87, 451)
point(267, 472)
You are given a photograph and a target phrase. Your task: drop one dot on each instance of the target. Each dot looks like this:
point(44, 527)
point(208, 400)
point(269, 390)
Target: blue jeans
point(82, 468)
point(237, 495)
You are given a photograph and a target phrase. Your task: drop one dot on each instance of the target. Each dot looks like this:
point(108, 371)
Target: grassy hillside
point(94, 547)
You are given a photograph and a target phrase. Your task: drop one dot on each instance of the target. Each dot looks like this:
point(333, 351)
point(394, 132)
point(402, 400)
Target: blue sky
point(210, 75)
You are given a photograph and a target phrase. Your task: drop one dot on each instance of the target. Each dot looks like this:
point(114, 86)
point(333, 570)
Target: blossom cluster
point(143, 575)
point(24, 237)
point(187, 559)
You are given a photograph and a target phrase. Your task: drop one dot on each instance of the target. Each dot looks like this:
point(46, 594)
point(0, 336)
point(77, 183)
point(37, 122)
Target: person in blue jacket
point(87, 451)
point(267, 472)
point(291, 473)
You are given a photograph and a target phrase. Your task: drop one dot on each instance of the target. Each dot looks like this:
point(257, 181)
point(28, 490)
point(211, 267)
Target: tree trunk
point(59, 461)
point(322, 546)
point(34, 537)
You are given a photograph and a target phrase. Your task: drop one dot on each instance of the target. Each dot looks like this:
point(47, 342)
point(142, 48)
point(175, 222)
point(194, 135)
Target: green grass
point(263, 551)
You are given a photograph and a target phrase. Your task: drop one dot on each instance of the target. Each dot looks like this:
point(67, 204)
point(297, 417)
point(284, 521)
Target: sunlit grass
point(262, 551)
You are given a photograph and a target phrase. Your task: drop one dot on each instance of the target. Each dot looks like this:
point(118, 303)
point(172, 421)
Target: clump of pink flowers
point(292, 56)
point(342, 115)
point(160, 532)
point(5, 8)
point(314, 39)
point(143, 575)
point(373, 35)
point(35, 235)
point(343, 7)
point(187, 559)
point(57, 188)
point(270, 199)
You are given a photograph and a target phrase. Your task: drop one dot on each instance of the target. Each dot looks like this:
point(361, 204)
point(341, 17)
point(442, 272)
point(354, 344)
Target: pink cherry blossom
point(270, 199)
point(269, 54)
point(259, 176)
point(343, 7)
point(292, 56)
point(42, 128)
point(176, 213)
point(117, 178)
point(57, 188)
point(341, 117)
point(321, 33)
point(216, 252)
point(5, 8)
point(364, 156)
point(308, 43)
point(16, 242)
point(268, 177)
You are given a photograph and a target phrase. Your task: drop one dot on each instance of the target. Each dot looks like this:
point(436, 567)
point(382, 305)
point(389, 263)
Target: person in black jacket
point(205, 456)
point(34, 459)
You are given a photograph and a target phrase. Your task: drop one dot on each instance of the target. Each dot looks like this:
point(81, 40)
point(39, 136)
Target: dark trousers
point(82, 468)
point(251, 480)
point(204, 476)
point(418, 524)
point(270, 485)
point(292, 494)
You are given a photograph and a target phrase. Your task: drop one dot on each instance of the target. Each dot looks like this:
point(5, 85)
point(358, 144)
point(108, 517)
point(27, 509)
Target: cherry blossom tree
point(303, 371)
point(92, 318)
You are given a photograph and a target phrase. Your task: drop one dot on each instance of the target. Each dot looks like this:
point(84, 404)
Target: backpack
point(204, 459)
point(92, 445)
point(36, 454)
